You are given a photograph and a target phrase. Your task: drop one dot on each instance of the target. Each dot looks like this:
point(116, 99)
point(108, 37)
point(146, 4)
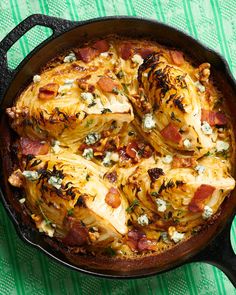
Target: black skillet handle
point(220, 254)
point(57, 25)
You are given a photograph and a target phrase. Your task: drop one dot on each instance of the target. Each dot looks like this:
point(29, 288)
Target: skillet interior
point(131, 28)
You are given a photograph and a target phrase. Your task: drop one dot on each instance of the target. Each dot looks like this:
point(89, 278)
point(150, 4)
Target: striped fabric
point(24, 270)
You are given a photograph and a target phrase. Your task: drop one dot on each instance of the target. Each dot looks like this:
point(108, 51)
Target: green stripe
point(44, 270)
point(127, 7)
point(103, 8)
point(217, 278)
point(190, 278)
point(163, 290)
point(24, 39)
point(98, 7)
point(70, 11)
point(132, 9)
point(217, 26)
point(188, 23)
point(103, 286)
point(75, 12)
point(154, 2)
point(218, 12)
point(16, 21)
point(161, 11)
point(12, 250)
point(76, 282)
point(191, 18)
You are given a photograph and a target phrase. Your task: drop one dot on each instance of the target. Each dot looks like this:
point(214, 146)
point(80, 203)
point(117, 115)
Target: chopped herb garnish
point(173, 117)
point(223, 154)
point(115, 90)
point(131, 133)
point(154, 194)
point(70, 212)
point(109, 251)
point(87, 177)
point(132, 205)
point(92, 104)
point(106, 110)
point(120, 74)
point(89, 123)
point(35, 163)
point(125, 88)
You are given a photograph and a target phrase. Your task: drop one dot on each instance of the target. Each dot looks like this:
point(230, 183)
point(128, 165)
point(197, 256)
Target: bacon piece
point(137, 241)
point(86, 54)
point(112, 176)
point(135, 235)
point(213, 118)
point(155, 173)
point(106, 84)
point(126, 50)
point(113, 198)
point(202, 193)
point(132, 149)
point(123, 155)
point(48, 91)
point(146, 244)
point(77, 234)
point(101, 45)
point(132, 239)
point(183, 162)
point(171, 133)
point(220, 119)
point(177, 57)
point(145, 52)
point(33, 147)
point(137, 150)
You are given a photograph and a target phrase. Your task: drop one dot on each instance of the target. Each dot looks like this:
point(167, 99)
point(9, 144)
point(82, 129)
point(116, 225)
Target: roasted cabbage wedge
point(124, 148)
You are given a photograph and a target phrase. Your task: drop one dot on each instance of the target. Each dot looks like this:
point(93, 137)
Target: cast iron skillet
point(213, 244)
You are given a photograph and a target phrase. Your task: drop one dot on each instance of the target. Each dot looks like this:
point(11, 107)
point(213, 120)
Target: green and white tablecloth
point(25, 270)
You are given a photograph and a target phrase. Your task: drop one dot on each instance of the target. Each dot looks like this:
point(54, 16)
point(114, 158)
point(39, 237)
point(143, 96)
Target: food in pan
point(124, 148)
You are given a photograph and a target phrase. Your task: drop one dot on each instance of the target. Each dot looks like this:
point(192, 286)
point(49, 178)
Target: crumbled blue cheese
point(67, 86)
point(55, 181)
point(167, 159)
point(164, 236)
point(22, 200)
point(137, 59)
point(92, 138)
point(36, 78)
point(143, 220)
point(200, 87)
point(200, 169)
point(161, 205)
point(176, 236)
point(148, 122)
point(47, 228)
point(221, 146)
point(207, 212)
point(87, 97)
point(88, 153)
point(70, 58)
point(107, 159)
point(115, 157)
point(187, 143)
point(69, 81)
point(31, 175)
point(56, 147)
point(104, 54)
point(206, 128)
